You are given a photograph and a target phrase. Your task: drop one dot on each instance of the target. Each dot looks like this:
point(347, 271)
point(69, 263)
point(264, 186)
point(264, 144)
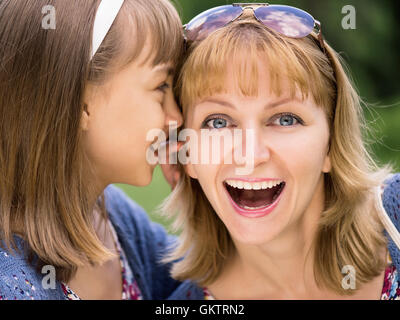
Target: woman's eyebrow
point(218, 101)
point(270, 105)
point(281, 102)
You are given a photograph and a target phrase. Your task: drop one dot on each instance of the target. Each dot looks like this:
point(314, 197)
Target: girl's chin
point(144, 178)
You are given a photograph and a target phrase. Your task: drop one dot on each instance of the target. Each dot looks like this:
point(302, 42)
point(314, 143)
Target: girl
point(76, 103)
point(304, 223)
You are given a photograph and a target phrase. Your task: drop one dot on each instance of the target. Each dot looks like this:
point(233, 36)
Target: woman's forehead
point(239, 84)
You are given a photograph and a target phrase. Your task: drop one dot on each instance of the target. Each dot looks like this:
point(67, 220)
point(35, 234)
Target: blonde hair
point(349, 231)
point(45, 189)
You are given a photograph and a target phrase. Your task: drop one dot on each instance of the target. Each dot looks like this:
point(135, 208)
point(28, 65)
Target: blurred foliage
point(372, 53)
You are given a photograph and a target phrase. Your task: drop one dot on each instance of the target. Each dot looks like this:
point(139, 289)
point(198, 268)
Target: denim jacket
point(142, 241)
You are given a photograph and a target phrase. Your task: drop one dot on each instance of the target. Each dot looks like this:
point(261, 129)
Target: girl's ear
point(88, 101)
point(85, 118)
point(190, 171)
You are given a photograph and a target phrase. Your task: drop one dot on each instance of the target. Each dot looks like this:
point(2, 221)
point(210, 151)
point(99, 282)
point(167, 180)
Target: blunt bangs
point(243, 45)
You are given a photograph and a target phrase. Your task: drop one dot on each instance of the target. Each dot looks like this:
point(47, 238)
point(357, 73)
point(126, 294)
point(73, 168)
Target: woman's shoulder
point(391, 203)
point(391, 198)
point(19, 280)
point(392, 189)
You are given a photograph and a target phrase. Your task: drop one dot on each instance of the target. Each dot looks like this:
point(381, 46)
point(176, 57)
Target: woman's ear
point(327, 167)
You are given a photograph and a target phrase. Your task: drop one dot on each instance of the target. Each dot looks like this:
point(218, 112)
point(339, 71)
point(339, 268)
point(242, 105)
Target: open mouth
point(254, 195)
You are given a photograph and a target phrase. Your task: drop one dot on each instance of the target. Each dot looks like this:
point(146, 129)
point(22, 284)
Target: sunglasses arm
point(318, 28)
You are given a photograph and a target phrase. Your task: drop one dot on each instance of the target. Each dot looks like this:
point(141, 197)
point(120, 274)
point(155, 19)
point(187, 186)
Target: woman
point(76, 103)
point(304, 223)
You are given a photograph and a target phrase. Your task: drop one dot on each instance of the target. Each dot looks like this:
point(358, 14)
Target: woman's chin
point(251, 236)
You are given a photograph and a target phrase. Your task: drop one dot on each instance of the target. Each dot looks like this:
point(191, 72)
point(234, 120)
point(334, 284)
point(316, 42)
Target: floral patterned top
point(130, 289)
point(390, 290)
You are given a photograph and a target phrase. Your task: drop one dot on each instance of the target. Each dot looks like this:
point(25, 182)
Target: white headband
point(105, 16)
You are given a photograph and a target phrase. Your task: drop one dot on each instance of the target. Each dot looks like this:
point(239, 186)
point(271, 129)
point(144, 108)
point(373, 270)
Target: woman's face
point(291, 146)
point(120, 114)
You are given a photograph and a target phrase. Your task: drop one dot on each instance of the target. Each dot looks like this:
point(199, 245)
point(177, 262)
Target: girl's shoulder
point(19, 280)
point(133, 225)
point(144, 243)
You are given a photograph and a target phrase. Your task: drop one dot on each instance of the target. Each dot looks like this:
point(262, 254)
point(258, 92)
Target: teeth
point(247, 186)
point(253, 185)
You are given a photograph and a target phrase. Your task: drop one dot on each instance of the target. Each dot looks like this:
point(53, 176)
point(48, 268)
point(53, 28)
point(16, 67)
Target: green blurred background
point(372, 52)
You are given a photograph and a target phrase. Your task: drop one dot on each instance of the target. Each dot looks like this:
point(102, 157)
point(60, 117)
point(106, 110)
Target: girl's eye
point(287, 120)
point(164, 87)
point(216, 123)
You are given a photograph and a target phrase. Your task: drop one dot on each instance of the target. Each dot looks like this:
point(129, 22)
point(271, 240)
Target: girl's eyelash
point(163, 87)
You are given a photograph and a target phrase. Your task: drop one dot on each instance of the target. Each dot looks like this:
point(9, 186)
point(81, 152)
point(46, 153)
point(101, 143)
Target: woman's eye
point(216, 123)
point(287, 120)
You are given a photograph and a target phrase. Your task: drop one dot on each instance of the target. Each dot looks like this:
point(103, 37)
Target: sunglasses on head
point(286, 20)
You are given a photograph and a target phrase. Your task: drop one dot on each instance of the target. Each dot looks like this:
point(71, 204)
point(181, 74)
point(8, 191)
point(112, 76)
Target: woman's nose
point(255, 149)
point(256, 145)
point(261, 148)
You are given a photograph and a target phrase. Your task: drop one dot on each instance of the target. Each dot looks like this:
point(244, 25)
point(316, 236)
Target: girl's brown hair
point(349, 231)
point(45, 193)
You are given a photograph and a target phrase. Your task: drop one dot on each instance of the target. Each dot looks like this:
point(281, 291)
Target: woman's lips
point(259, 211)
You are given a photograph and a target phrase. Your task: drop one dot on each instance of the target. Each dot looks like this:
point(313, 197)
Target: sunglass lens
point(289, 21)
point(205, 23)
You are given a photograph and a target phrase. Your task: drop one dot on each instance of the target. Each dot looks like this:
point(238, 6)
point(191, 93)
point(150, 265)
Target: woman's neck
point(285, 267)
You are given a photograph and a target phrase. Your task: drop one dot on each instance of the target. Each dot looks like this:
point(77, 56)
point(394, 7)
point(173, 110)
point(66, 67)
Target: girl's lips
point(255, 213)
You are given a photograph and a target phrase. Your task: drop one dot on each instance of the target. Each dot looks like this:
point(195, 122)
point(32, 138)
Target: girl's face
point(291, 152)
point(120, 113)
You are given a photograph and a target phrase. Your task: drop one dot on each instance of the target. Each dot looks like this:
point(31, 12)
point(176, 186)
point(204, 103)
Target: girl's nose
point(172, 111)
